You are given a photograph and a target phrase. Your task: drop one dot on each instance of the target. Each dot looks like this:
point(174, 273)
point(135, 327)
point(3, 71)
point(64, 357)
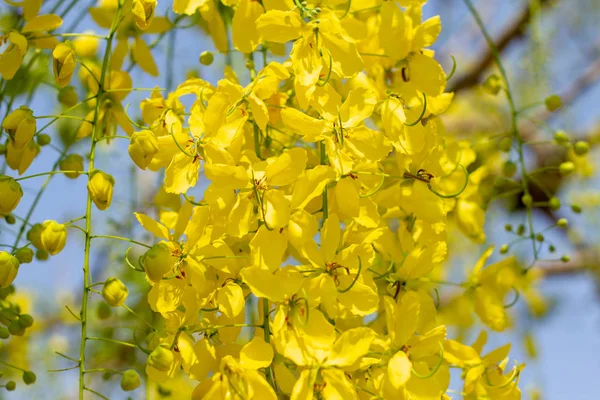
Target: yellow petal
point(143, 56)
point(42, 23)
point(287, 167)
point(279, 26)
point(256, 354)
point(155, 228)
point(267, 248)
point(350, 346)
point(231, 300)
point(245, 35)
point(399, 370)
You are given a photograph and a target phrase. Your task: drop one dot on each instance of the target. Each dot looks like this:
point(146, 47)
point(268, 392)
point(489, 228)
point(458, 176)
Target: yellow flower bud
point(21, 159)
point(63, 63)
point(158, 261)
point(114, 292)
point(72, 162)
point(10, 194)
point(20, 126)
point(9, 266)
point(142, 148)
point(54, 237)
point(161, 358)
point(130, 380)
point(143, 12)
point(553, 103)
point(100, 186)
point(34, 235)
point(86, 46)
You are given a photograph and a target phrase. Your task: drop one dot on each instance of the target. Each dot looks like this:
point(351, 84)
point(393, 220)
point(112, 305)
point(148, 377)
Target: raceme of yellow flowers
point(323, 229)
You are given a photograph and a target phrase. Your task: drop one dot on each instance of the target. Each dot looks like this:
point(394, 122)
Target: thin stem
point(267, 335)
point(12, 366)
point(119, 238)
point(138, 316)
point(50, 173)
point(323, 160)
point(100, 339)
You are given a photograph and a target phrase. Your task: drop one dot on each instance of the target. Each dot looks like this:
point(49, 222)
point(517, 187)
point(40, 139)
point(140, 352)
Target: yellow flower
point(9, 267)
point(143, 12)
point(100, 187)
point(54, 237)
point(63, 63)
point(21, 159)
point(20, 126)
point(10, 194)
point(114, 292)
point(161, 358)
point(158, 261)
point(142, 148)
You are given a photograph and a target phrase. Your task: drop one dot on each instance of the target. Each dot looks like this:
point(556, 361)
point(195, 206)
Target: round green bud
point(504, 249)
point(9, 267)
point(207, 58)
point(317, 10)
point(67, 96)
point(130, 380)
point(581, 148)
point(505, 144)
point(551, 248)
point(24, 255)
point(561, 137)
point(25, 320)
point(554, 203)
point(520, 229)
point(539, 237)
point(576, 208)
point(566, 168)
point(4, 333)
point(72, 162)
point(192, 74)
point(29, 377)
point(114, 292)
point(562, 223)
point(553, 103)
point(15, 328)
point(10, 219)
point(161, 358)
point(527, 200)
point(508, 228)
point(103, 311)
point(509, 168)
point(565, 258)
point(44, 139)
point(41, 255)
point(34, 235)
point(11, 385)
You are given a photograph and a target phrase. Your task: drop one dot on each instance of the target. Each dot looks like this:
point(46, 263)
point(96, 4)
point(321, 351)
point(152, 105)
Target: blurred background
point(548, 47)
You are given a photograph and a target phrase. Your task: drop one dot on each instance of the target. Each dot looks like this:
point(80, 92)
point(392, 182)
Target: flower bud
point(25, 320)
point(130, 380)
point(114, 292)
point(492, 85)
point(41, 255)
point(86, 46)
point(15, 328)
point(24, 255)
point(539, 237)
point(143, 12)
point(504, 249)
point(72, 162)
point(43, 139)
point(54, 237)
point(63, 63)
point(34, 235)
point(561, 137)
point(142, 148)
point(10, 219)
point(67, 96)
point(29, 377)
point(9, 266)
point(562, 223)
point(554, 203)
point(566, 168)
point(10, 194)
point(553, 103)
point(158, 261)
point(581, 148)
point(4, 333)
point(206, 58)
point(565, 258)
point(161, 358)
point(576, 208)
point(527, 200)
point(21, 159)
point(20, 126)
point(100, 187)
point(10, 386)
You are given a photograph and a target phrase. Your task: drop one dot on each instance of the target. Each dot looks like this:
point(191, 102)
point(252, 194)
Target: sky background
point(568, 340)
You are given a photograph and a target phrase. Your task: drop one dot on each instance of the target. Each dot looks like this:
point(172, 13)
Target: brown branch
point(516, 30)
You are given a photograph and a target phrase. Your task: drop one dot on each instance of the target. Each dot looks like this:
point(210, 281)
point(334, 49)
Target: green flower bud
point(206, 58)
point(11, 385)
point(509, 168)
point(25, 320)
point(561, 137)
point(9, 267)
point(100, 187)
point(520, 229)
point(527, 200)
point(20, 126)
point(114, 292)
point(566, 168)
point(142, 148)
point(10, 219)
point(553, 103)
point(34, 235)
point(4, 333)
point(130, 380)
point(67, 96)
point(562, 223)
point(551, 248)
point(161, 358)
point(576, 208)
point(15, 328)
point(508, 228)
point(504, 249)
point(581, 148)
point(554, 203)
point(493, 84)
point(158, 261)
point(44, 139)
point(29, 377)
point(54, 237)
point(539, 237)
point(10, 194)
point(72, 162)
point(103, 311)
point(41, 255)
point(24, 255)
point(565, 258)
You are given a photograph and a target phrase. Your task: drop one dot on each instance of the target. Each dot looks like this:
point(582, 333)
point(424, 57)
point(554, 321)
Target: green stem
point(323, 155)
point(100, 339)
point(119, 238)
point(50, 173)
point(267, 334)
